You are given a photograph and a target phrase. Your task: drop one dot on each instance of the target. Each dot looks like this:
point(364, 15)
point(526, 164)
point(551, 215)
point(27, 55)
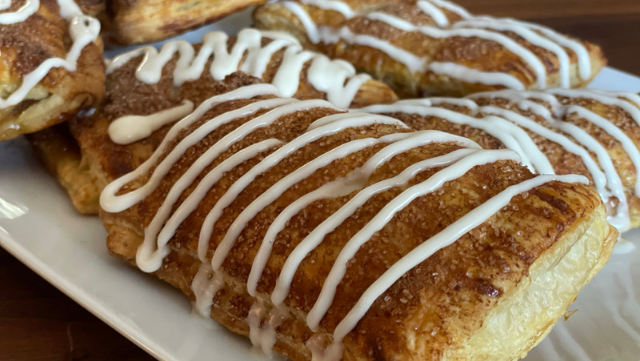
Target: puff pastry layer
point(269, 223)
point(434, 47)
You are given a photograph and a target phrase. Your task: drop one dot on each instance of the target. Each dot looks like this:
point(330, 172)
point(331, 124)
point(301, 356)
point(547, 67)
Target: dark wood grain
point(37, 322)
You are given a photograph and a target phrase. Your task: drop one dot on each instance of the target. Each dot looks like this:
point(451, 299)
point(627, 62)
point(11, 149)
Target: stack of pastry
point(422, 229)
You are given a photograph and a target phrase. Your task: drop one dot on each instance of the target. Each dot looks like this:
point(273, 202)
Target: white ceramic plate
point(39, 226)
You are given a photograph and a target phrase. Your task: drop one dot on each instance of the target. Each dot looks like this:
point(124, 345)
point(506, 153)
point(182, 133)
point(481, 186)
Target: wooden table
point(37, 322)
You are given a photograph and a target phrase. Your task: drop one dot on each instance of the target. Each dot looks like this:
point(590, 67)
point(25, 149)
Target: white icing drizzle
point(578, 48)
point(461, 102)
point(607, 183)
point(339, 6)
point(441, 240)
point(23, 13)
point(633, 111)
point(615, 132)
point(607, 180)
point(131, 128)
point(470, 75)
point(330, 36)
point(435, 182)
point(83, 30)
point(355, 180)
point(305, 19)
point(276, 157)
point(339, 91)
point(263, 334)
point(527, 34)
point(613, 184)
point(482, 27)
point(414, 63)
point(205, 285)
point(150, 263)
point(249, 55)
point(632, 97)
point(339, 186)
point(509, 134)
point(314, 238)
point(462, 12)
point(150, 259)
point(110, 202)
point(525, 54)
point(438, 16)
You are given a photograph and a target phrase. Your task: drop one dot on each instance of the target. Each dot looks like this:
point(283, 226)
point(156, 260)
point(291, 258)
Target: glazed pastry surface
point(589, 132)
point(324, 233)
point(434, 47)
point(140, 90)
point(50, 64)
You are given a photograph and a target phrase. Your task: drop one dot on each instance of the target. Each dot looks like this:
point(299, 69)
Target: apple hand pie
point(329, 235)
point(434, 47)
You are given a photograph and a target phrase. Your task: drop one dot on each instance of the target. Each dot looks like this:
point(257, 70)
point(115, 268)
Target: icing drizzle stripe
point(471, 26)
point(249, 55)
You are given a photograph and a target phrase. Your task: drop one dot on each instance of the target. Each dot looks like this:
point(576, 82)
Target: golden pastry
point(434, 46)
point(50, 64)
point(173, 90)
point(325, 233)
point(143, 21)
point(589, 132)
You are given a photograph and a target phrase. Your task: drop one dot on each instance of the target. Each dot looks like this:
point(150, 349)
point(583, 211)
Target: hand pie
point(151, 86)
point(559, 131)
point(144, 21)
point(434, 46)
point(325, 234)
point(50, 64)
